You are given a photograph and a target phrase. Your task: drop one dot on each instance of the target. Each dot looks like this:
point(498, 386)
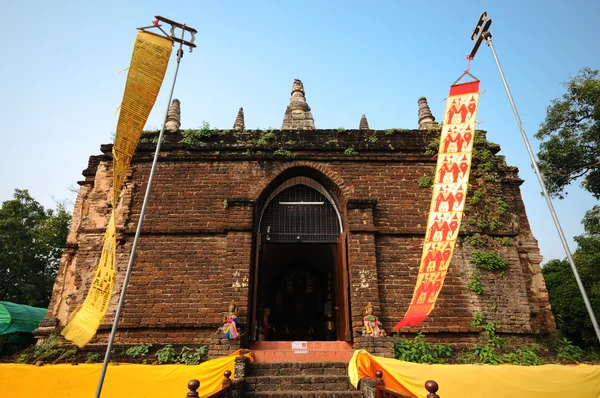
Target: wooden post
point(226, 380)
point(193, 386)
point(379, 384)
point(432, 387)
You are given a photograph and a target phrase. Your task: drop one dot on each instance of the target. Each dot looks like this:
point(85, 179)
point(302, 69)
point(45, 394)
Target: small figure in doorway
point(372, 326)
point(230, 326)
point(266, 326)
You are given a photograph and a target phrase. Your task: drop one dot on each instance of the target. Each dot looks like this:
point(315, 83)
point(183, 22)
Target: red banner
point(448, 200)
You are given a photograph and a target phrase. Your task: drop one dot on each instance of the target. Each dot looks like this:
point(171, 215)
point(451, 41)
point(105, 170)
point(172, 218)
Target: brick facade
point(197, 249)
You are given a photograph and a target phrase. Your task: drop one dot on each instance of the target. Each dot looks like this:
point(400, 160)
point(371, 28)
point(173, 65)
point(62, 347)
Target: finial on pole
point(239, 120)
point(364, 124)
point(174, 116)
point(297, 115)
point(426, 118)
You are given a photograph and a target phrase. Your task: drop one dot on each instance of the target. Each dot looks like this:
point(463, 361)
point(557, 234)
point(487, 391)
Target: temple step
point(298, 379)
point(315, 351)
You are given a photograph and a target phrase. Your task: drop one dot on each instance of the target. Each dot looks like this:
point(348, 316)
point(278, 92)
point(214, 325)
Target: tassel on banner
point(448, 198)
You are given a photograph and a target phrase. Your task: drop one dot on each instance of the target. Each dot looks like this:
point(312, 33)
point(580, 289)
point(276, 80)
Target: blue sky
point(60, 87)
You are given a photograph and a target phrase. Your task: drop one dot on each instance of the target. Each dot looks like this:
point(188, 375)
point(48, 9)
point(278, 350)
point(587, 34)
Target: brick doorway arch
point(300, 289)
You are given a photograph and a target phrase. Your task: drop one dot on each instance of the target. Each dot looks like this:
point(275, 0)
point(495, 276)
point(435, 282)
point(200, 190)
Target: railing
point(382, 391)
point(224, 392)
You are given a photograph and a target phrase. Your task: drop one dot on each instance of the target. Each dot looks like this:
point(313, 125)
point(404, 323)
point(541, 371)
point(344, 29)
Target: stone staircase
point(298, 380)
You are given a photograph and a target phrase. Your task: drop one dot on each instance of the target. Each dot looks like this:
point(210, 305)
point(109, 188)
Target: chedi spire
point(239, 120)
point(297, 115)
point(173, 116)
point(426, 119)
point(364, 124)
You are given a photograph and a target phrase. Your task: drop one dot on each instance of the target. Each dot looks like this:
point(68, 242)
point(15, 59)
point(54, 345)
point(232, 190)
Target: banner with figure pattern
point(149, 62)
point(448, 200)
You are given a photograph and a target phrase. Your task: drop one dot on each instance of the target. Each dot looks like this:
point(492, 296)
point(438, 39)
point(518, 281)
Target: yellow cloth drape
point(476, 381)
point(149, 62)
point(125, 380)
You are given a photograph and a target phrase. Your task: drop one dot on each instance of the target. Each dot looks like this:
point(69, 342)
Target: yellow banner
point(475, 381)
point(125, 380)
point(447, 202)
point(149, 62)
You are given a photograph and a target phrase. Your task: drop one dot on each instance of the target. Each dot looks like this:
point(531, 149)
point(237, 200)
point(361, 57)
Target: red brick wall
point(196, 251)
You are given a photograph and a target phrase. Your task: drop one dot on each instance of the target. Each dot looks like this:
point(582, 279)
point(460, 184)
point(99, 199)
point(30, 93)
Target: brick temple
point(302, 227)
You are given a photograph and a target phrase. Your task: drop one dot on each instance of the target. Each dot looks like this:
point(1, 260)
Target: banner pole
point(488, 39)
point(113, 331)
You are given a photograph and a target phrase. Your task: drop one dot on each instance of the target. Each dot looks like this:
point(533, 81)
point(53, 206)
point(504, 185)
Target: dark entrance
point(300, 278)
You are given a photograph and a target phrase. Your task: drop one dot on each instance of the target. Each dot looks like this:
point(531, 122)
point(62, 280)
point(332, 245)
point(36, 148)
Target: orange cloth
point(125, 380)
point(476, 381)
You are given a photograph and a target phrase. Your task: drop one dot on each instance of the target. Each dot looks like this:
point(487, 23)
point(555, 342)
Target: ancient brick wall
point(196, 252)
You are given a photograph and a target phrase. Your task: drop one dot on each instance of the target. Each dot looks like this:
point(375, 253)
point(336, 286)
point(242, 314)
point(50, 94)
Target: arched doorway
point(300, 278)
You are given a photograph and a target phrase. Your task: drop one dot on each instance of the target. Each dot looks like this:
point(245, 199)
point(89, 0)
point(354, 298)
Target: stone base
point(380, 346)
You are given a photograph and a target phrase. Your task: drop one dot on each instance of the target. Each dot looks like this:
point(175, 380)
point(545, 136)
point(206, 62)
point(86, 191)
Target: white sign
point(301, 346)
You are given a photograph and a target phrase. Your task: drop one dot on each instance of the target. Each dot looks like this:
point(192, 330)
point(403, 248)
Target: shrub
point(138, 350)
point(569, 352)
point(488, 261)
point(425, 182)
point(475, 286)
point(420, 351)
point(167, 354)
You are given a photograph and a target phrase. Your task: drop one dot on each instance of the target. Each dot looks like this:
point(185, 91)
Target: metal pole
point(488, 40)
point(113, 331)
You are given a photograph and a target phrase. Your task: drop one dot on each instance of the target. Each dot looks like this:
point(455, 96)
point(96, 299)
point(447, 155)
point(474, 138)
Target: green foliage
point(510, 357)
point(527, 356)
point(475, 286)
point(569, 352)
point(477, 320)
point(350, 152)
point(389, 132)
point(167, 354)
point(138, 350)
point(571, 136)
point(572, 318)
point(191, 356)
point(341, 129)
point(225, 204)
point(371, 137)
point(488, 261)
point(31, 243)
point(50, 349)
point(265, 137)
point(284, 152)
point(475, 240)
point(197, 136)
point(486, 354)
point(92, 357)
point(188, 356)
point(484, 159)
point(433, 146)
point(587, 255)
point(425, 182)
point(504, 241)
point(420, 351)
point(475, 197)
point(492, 338)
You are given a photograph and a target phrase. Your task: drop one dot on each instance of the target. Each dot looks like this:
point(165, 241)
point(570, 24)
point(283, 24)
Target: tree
point(567, 304)
point(31, 243)
point(572, 133)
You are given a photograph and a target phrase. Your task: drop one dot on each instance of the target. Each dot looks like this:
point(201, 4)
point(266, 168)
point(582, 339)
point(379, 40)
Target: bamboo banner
point(149, 62)
point(448, 200)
